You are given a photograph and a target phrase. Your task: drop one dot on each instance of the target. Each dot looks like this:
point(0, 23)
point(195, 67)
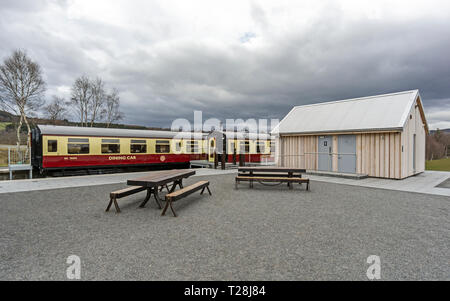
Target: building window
point(138, 146)
point(78, 146)
point(162, 146)
point(52, 146)
point(260, 147)
point(110, 146)
point(193, 146)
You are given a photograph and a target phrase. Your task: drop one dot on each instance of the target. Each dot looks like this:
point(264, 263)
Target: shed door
point(347, 153)
point(325, 149)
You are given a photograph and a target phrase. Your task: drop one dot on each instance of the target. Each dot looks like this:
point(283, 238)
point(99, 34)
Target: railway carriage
point(63, 147)
point(82, 148)
point(256, 148)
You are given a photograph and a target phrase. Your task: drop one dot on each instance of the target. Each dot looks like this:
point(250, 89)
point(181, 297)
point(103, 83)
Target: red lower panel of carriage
point(257, 158)
point(114, 160)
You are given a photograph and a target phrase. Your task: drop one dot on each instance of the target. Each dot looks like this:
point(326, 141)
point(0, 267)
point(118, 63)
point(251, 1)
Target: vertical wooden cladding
point(299, 151)
point(379, 155)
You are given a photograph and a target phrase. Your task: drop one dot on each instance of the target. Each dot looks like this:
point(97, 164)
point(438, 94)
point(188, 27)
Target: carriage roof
point(112, 132)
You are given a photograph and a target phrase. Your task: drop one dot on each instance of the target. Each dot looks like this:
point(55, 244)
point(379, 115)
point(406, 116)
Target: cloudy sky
point(236, 59)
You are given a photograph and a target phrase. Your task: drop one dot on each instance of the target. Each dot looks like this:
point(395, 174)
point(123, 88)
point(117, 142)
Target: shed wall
point(413, 126)
point(377, 154)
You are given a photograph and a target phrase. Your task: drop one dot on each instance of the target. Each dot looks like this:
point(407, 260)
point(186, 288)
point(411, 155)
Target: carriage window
point(245, 147)
point(138, 146)
point(232, 147)
point(178, 145)
point(193, 146)
point(260, 147)
point(110, 146)
point(78, 146)
point(52, 146)
point(162, 146)
point(272, 146)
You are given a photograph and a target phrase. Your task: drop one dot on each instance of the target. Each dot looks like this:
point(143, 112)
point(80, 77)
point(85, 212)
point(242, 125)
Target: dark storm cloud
point(161, 80)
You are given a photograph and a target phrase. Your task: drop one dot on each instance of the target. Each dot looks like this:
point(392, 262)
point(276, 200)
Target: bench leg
point(173, 211)
point(116, 205)
point(147, 197)
point(236, 184)
point(109, 205)
point(201, 192)
point(307, 186)
point(165, 207)
point(209, 191)
point(168, 204)
point(290, 186)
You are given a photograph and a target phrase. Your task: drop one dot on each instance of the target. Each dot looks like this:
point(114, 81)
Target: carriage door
point(347, 153)
point(324, 153)
point(211, 148)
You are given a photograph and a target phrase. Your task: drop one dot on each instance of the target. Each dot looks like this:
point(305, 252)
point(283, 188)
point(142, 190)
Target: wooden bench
point(122, 193)
point(176, 195)
point(251, 179)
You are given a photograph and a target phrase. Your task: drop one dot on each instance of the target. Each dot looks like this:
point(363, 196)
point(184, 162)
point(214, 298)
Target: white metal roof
point(110, 132)
point(381, 112)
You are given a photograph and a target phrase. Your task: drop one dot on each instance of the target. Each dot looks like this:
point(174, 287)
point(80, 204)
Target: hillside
point(8, 118)
point(8, 123)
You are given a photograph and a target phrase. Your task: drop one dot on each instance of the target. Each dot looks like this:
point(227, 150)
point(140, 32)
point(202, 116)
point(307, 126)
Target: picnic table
point(270, 174)
point(289, 171)
point(156, 179)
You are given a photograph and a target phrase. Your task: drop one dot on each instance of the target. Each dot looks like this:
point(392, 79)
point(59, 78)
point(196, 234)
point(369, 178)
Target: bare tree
point(97, 101)
point(81, 98)
point(21, 87)
point(436, 145)
point(112, 108)
point(56, 110)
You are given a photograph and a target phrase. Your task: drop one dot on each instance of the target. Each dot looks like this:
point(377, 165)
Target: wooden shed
point(380, 136)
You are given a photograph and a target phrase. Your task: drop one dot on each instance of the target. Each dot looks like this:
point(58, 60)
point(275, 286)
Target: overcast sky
point(236, 59)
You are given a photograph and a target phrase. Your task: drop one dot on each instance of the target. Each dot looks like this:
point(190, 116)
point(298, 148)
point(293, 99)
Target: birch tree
point(112, 108)
point(97, 101)
point(80, 99)
point(56, 109)
point(21, 88)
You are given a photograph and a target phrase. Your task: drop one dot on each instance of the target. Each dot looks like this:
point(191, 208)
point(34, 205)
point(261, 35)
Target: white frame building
point(380, 136)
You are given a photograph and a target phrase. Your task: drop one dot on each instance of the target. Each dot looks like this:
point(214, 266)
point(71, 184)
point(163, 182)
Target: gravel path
point(267, 233)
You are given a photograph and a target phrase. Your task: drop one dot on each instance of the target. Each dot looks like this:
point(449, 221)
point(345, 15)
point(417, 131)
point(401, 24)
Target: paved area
point(266, 233)
point(82, 181)
point(425, 182)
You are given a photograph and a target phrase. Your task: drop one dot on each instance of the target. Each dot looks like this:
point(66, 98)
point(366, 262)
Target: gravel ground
point(267, 233)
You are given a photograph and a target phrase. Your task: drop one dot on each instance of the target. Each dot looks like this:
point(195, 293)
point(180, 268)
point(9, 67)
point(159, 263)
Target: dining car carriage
point(68, 148)
point(81, 148)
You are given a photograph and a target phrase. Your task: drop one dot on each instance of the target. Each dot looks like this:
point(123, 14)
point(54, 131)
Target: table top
point(161, 177)
point(271, 169)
